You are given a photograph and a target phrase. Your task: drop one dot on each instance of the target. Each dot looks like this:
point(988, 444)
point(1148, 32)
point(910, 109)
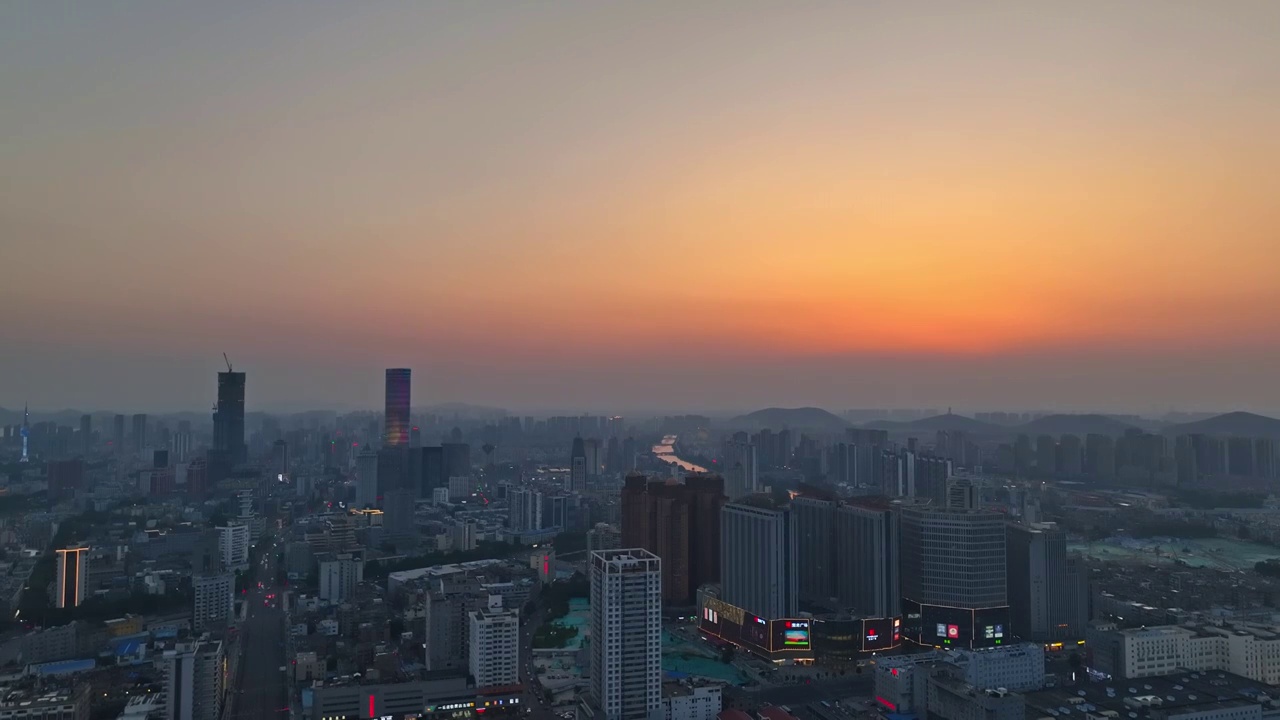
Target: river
point(666, 452)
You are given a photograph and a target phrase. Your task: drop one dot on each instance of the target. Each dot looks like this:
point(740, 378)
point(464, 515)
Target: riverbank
point(666, 452)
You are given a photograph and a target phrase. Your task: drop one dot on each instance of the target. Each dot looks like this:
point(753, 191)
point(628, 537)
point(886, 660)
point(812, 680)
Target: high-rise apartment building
point(533, 510)
point(626, 635)
point(1048, 596)
point(867, 558)
point(740, 467)
point(339, 575)
point(1099, 456)
point(953, 576)
point(495, 647)
point(758, 570)
point(1046, 456)
point(962, 494)
point(73, 571)
point(1070, 456)
point(214, 600)
point(233, 545)
point(228, 420)
point(396, 416)
point(193, 681)
point(680, 523)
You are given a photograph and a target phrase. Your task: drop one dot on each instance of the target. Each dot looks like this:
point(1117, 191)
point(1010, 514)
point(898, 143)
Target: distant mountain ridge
point(804, 418)
point(1064, 424)
point(1245, 424)
point(946, 421)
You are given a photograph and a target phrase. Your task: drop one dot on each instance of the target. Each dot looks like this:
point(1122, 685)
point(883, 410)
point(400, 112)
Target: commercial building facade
point(953, 577)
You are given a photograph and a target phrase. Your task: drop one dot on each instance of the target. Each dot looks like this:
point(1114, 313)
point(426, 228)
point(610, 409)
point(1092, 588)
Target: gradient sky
point(643, 205)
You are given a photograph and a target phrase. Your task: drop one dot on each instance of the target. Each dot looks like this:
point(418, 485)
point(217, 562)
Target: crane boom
point(227, 361)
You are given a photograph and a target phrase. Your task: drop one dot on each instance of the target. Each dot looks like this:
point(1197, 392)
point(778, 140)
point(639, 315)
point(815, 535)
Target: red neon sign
point(886, 703)
point(372, 714)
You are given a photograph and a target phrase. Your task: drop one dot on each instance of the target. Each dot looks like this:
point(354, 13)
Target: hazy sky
point(607, 205)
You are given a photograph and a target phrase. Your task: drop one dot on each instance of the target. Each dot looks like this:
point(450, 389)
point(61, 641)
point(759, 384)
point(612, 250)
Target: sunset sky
point(639, 206)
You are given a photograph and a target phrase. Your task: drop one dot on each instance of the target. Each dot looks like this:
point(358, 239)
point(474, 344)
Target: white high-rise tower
point(626, 635)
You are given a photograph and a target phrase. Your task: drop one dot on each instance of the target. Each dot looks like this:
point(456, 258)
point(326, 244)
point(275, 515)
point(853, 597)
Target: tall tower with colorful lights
point(25, 432)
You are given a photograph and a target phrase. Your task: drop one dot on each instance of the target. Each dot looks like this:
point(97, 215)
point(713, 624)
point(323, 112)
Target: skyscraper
point(758, 558)
point(280, 457)
point(430, 470)
point(396, 415)
point(86, 433)
point(117, 434)
point(680, 523)
point(25, 432)
point(73, 570)
point(139, 432)
point(228, 420)
point(367, 478)
point(393, 471)
point(577, 466)
point(457, 460)
point(1047, 594)
point(626, 635)
point(953, 577)
point(397, 519)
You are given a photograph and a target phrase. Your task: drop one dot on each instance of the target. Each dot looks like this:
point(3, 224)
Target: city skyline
point(650, 206)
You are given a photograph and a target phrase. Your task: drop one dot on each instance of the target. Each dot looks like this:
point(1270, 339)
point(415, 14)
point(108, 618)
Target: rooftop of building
point(625, 555)
point(25, 694)
point(1150, 697)
point(437, 571)
point(732, 714)
point(495, 614)
point(140, 706)
point(63, 667)
point(1156, 631)
point(775, 713)
point(763, 501)
point(686, 688)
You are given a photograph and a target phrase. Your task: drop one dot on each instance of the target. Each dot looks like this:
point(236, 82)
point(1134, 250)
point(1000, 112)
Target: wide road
point(263, 693)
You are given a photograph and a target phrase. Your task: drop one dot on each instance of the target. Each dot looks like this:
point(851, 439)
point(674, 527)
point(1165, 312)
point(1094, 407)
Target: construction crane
point(227, 361)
